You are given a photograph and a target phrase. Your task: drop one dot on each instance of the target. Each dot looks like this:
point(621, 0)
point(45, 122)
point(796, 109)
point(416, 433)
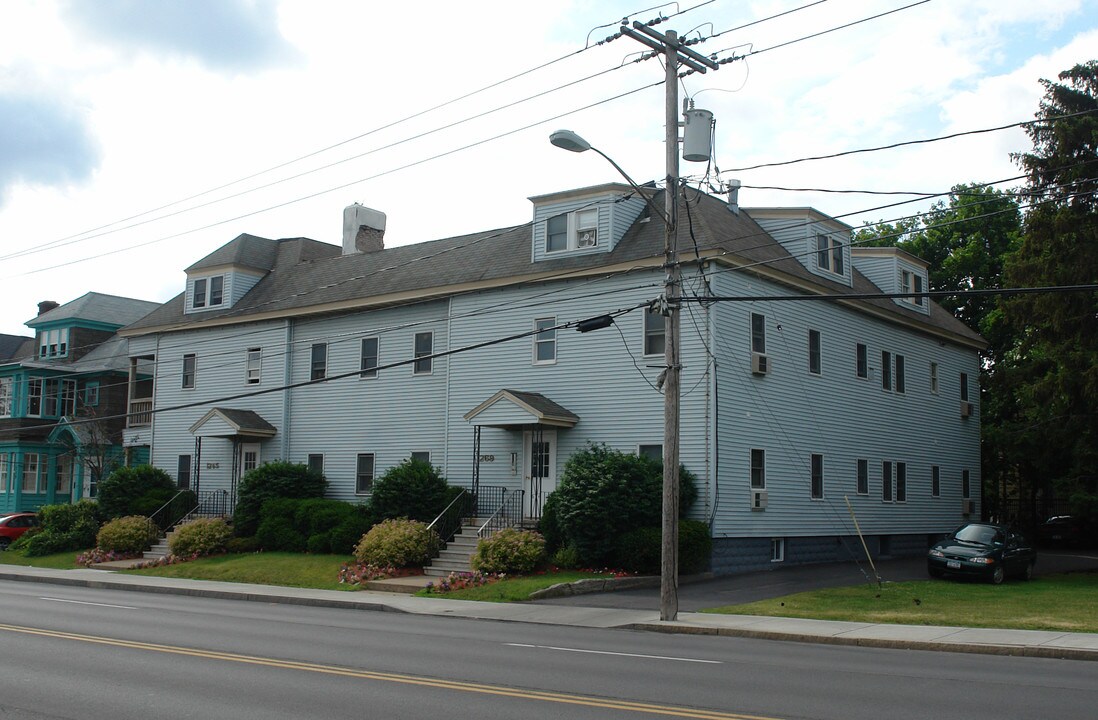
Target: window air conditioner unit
point(760, 364)
point(968, 507)
point(759, 499)
point(966, 408)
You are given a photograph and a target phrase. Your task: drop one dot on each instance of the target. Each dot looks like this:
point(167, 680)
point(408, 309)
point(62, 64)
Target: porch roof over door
point(230, 423)
point(515, 408)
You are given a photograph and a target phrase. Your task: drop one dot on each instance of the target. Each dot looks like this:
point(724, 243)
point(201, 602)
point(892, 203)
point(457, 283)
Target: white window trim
point(312, 361)
point(427, 356)
point(194, 372)
point(751, 469)
point(7, 396)
point(373, 472)
point(935, 487)
point(779, 544)
point(41, 395)
point(308, 456)
point(832, 244)
point(811, 477)
point(935, 380)
point(751, 332)
point(253, 366)
point(371, 373)
point(649, 444)
point(858, 464)
point(645, 333)
point(539, 340)
point(413, 453)
point(575, 228)
point(206, 304)
point(819, 352)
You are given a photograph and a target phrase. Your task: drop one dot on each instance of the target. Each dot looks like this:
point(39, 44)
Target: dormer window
point(208, 292)
point(572, 231)
point(911, 283)
point(829, 253)
point(53, 343)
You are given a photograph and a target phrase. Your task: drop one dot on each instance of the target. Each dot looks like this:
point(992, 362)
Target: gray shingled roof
point(326, 277)
point(244, 251)
point(98, 307)
point(10, 344)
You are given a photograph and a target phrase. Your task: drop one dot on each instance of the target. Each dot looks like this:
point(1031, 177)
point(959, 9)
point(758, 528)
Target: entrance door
point(245, 463)
point(539, 476)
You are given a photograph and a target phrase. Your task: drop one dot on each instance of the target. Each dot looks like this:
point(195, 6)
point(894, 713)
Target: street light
point(572, 142)
point(669, 308)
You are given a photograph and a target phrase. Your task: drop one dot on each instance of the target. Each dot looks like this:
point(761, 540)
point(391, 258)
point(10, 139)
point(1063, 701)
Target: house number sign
point(487, 458)
point(212, 466)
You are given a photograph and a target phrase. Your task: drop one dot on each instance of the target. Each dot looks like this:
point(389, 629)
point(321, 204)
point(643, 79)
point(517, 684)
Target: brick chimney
point(363, 230)
point(46, 305)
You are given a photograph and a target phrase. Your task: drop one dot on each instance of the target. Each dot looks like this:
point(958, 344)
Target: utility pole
point(674, 53)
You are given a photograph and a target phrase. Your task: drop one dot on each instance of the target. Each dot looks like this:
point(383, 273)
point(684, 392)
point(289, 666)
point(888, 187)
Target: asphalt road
point(83, 653)
point(750, 587)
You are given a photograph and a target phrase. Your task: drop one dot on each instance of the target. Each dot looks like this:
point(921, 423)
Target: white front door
point(539, 476)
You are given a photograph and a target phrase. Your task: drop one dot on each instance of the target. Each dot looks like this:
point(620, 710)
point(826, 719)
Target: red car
point(14, 525)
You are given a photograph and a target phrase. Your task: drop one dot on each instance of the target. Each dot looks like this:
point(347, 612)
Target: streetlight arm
point(651, 205)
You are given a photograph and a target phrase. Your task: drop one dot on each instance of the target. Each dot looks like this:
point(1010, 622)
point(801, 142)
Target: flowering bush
point(96, 556)
point(358, 573)
point(397, 543)
point(510, 550)
point(200, 537)
point(130, 534)
point(460, 581)
point(166, 560)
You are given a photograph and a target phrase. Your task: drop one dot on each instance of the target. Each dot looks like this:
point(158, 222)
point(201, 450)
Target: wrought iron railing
point(211, 504)
point(509, 514)
point(449, 521)
point(489, 498)
point(168, 514)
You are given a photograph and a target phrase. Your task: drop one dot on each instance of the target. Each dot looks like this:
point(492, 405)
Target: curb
point(1032, 651)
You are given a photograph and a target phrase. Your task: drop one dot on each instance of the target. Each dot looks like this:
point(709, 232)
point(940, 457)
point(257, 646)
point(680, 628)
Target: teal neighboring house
point(63, 401)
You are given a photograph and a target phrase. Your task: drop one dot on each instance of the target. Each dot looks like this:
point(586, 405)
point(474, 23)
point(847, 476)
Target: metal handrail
point(449, 520)
point(204, 509)
point(507, 515)
point(153, 523)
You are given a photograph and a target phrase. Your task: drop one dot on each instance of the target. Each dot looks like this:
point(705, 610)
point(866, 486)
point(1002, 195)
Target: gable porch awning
point(230, 423)
point(515, 408)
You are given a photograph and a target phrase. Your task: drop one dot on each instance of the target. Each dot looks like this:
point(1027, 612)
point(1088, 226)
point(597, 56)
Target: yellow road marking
point(457, 685)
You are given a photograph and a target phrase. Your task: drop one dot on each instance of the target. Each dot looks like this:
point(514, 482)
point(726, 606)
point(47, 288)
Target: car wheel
point(997, 575)
point(4, 542)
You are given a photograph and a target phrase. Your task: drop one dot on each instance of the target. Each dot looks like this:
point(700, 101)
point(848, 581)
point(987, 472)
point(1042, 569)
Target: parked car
point(982, 550)
point(14, 525)
point(1060, 530)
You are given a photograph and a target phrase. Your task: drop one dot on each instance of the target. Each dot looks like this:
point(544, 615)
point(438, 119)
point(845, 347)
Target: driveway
point(749, 587)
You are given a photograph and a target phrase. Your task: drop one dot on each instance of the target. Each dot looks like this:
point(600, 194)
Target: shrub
point(604, 493)
point(138, 490)
point(567, 558)
point(317, 525)
point(549, 524)
point(413, 489)
point(64, 527)
point(130, 534)
point(639, 550)
point(510, 551)
point(242, 545)
point(200, 537)
point(271, 480)
point(397, 543)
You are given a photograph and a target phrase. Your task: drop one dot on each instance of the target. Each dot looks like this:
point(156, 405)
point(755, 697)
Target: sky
point(137, 136)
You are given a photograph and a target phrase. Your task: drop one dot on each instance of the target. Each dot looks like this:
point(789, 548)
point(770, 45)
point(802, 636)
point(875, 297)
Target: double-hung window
point(863, 477)
point(34, 397)
point(572, 231)
point(368, 357)
point(190, 368)
point(364, 474)
point(545, 341)
point(964, 386)
point(198, 298)
point(886, 481)
point(254, 366)
point(817, 476)
point(886, 370)
point(31, 462)
point(655, 333)
point(935, 481)
point(815, 362)
point(5, 472)
point(208, 292)
point(50, 397)
point(901, 374)
point(901, 482)
point(758, 469)
point(318, 361)
point(829, 253)
point(758, 333)
point(934, 378)
point(183, 472)
point(423, 348)
point(861, 356)
point(6, 399)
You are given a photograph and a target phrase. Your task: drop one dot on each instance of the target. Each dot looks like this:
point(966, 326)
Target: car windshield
point(979, 534)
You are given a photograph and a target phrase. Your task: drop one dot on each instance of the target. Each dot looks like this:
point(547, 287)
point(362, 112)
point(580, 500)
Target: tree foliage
point(271, 480)
point(413, 489)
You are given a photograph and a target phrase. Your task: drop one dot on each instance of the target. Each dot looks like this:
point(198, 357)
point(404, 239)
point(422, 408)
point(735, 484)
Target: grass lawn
point(1054, 602)
point(267, 568)
point(57, 561)
point(514, 589)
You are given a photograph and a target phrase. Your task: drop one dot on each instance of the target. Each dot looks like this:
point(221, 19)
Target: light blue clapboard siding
point(791, 414)
point(600, 377)
point(391, 415)
point(880, 270)
point(239, 283)
point(221, 355)
point(614, 220)
point(797, 234)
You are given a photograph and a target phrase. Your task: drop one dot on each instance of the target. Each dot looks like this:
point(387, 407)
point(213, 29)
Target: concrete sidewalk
point(1029, 643)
